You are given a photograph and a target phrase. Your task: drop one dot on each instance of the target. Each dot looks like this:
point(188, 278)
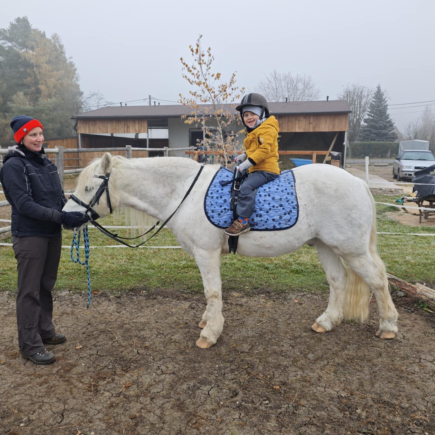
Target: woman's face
point(34, 139)
point(250, 119)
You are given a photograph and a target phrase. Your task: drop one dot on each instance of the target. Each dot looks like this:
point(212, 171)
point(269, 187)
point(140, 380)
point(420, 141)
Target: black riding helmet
point(254, 100)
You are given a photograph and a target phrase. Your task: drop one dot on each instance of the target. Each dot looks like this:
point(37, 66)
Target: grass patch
point(408, 257)
point(113, 270)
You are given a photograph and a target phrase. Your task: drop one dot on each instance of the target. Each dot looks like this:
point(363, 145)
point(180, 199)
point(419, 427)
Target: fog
point(131, 49)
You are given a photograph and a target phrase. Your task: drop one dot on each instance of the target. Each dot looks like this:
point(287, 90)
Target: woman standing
point(32, 186)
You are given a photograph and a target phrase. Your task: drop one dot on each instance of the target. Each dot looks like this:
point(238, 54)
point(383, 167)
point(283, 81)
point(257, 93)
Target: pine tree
point(378, 126)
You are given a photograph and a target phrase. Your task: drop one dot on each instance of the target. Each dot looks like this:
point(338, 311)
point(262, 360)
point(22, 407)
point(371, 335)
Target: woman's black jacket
point(32, 186)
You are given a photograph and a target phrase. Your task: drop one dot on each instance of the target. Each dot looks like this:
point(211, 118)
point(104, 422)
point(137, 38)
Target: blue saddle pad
point(276, 203)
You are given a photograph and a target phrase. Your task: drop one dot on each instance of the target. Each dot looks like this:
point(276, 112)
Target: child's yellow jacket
point(262, 146)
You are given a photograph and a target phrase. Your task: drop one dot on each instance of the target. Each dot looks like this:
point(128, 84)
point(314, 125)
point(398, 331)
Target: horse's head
point(91, 195)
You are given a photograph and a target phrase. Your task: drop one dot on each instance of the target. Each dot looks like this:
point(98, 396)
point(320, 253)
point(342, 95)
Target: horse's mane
point(87, 176)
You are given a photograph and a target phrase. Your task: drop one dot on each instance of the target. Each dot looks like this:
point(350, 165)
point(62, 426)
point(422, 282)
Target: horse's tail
point(357, 292)
point(356, 298)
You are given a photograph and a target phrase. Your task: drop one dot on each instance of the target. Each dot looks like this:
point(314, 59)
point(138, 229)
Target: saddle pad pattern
point(276, 203)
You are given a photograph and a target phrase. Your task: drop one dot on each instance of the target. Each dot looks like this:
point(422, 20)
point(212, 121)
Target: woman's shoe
point(57, 339)
point(41, 358)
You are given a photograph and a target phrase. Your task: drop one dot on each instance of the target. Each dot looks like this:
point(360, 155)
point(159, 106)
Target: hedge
point(358, 150)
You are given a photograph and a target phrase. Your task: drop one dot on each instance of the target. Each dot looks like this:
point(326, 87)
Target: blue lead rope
point(76, 243)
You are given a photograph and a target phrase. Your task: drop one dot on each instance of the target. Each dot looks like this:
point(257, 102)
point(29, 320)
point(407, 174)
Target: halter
point(93, 215)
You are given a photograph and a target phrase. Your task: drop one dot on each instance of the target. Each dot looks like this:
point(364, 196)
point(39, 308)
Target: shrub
point(358, 150)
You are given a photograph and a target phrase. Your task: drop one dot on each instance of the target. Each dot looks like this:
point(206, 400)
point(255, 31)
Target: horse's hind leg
point(212, 320)
point(372, 270)
point(336, 276)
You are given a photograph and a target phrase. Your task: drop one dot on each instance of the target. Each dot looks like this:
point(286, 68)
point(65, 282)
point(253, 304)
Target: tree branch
point(418, 291)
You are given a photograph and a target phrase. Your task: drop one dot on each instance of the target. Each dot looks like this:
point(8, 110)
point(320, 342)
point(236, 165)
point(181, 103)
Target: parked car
point(410, 161)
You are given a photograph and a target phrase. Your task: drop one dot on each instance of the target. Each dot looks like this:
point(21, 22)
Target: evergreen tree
point(378, 126)
point(37, 80)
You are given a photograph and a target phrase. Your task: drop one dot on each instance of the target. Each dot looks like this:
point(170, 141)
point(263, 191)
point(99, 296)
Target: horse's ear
point(106, 163)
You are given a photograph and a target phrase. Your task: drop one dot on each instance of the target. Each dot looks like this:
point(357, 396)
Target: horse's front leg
point(209, 263)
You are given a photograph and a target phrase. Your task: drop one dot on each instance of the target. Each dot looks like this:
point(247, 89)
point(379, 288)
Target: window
point(417, 155)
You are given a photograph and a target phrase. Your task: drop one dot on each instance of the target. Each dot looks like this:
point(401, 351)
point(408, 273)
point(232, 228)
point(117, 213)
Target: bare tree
point(423, 128)
point(288, 87)
point(207, 100)
point(92, 101)
point(358, 98)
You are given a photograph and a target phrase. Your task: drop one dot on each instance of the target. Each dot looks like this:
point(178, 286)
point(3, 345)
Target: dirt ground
point(409, 217)
point(130, 366)
point(412, 219)
point(384, 171)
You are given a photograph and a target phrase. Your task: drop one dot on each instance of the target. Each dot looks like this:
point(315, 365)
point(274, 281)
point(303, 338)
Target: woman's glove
point(73, 219)
point(244, 167)
point(240, 159)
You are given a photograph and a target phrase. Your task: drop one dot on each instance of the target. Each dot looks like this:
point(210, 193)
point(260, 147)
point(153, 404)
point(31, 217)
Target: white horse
point(337, 216)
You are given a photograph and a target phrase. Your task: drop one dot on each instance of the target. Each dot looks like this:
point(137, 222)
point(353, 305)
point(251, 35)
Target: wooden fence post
point(129, 151)
point(330, 148)
point(60, 163)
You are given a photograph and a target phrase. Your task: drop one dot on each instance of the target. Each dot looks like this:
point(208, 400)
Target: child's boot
point(239, 226)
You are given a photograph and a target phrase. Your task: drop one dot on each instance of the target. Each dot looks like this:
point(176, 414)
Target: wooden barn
point(312, 128)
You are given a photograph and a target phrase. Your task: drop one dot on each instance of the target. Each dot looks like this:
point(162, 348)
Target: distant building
point(304, 125)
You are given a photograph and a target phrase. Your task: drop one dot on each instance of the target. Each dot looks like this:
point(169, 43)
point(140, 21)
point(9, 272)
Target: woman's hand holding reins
point(73, 219)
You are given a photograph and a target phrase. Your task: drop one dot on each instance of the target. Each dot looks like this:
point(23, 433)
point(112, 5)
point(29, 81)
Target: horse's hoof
point(320, 329)
point(385, 335)
point(203, 344)
point(202, 324)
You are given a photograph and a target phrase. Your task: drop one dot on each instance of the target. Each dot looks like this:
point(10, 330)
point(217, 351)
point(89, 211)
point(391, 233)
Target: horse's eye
point(89, 188)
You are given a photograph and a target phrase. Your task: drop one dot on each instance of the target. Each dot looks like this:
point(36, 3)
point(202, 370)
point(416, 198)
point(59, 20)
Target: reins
point(93, 216)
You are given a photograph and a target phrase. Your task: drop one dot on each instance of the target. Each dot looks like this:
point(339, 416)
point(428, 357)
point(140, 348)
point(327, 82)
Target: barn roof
point(175, 111)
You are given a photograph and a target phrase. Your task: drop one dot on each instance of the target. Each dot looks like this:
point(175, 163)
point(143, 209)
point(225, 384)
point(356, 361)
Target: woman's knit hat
point(21, 125)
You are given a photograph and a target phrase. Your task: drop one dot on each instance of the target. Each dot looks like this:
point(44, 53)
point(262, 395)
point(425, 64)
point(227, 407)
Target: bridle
point(104, 187)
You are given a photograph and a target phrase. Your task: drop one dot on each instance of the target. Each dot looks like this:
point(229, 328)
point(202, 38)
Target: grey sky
point(130, 49)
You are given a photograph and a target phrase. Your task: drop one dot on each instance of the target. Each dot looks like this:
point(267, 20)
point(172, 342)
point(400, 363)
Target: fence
point(59, 153)
point(313, 155)
point(59, 159)
point(92, 153)
point(128, 150)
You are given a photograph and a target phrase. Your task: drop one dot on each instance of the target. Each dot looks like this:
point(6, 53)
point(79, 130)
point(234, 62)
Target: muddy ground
point(412, 219)
point(130, 366)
